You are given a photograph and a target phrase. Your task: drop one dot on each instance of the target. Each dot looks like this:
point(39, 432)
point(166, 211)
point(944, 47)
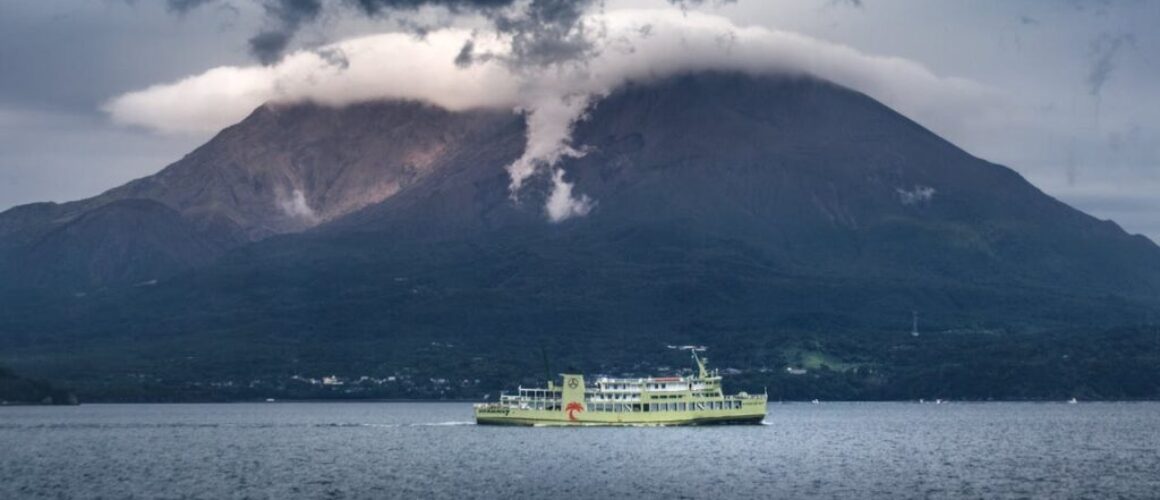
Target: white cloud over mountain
point(637, 44)
point(634, 45)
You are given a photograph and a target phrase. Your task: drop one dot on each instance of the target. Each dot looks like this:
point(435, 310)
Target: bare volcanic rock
point(285, 168)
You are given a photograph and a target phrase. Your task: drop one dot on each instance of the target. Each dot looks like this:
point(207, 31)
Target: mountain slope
point(283, 169)
point(822, 179)
point(126, 241)
point(746, 213)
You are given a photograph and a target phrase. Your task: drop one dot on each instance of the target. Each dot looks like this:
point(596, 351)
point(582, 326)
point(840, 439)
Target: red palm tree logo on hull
point(572, 408)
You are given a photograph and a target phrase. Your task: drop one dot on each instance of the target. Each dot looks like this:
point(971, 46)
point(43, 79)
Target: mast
point(702, 372)
point(547, 370)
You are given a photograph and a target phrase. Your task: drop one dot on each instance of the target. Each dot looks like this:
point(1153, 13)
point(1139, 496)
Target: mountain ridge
point(283, 169)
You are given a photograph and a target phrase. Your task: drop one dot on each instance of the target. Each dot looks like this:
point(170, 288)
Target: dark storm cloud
point(286, 17)
point(549, 31)
point(1104, 50)
point(377, 7)
point(546, 32)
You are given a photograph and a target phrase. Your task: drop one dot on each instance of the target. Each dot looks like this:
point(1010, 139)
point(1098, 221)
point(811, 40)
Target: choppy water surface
point(376, 450)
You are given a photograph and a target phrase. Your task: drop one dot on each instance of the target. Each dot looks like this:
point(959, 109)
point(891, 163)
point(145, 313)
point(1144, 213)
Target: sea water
point(433, 450)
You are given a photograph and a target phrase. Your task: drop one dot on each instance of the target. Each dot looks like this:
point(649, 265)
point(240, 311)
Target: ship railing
point(746, 397)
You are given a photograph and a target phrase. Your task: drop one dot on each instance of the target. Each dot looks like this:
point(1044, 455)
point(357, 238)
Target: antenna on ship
point(547, 370)
point(694, 349)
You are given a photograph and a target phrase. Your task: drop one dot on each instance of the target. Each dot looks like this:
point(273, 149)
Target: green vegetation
point(18, 390)
point(1119, 363)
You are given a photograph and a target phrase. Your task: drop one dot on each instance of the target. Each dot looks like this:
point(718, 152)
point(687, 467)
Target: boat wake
point(454, 423)
point(443, 424)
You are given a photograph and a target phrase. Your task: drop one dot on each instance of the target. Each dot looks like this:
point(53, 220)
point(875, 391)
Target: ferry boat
point(692, 400)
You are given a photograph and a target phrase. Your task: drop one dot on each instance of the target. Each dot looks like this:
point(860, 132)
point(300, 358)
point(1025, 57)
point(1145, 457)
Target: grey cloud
point(268, 46)
point(335, 56)
point(549, 31)
point(545, 32)
point(286, 17)
point(183, 6)
point(377, 7)
point(466, 54)
point(1103, 51)
point(849, 3)
point(1097, 7)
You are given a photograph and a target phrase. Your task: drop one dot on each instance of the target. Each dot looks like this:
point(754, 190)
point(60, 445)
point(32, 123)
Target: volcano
point(727, 208)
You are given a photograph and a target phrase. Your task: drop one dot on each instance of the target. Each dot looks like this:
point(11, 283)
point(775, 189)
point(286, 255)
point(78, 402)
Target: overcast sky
point(1070, 86)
